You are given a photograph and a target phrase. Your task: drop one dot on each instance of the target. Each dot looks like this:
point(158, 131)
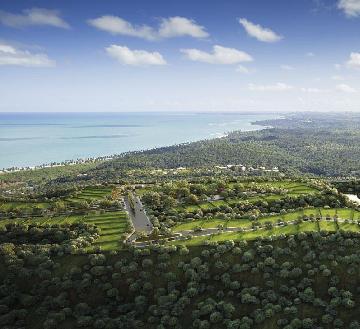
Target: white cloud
point(354, 61)
point(12, 56)
point(310, 54)
point(127, 56)
point(279, 86)
point(219, 55)
point(351, 8)
point(345, 88)
point(259, 32)
point(117, 25)
point(169, 28)
point(33, 17)
point(287, 67)
point(181, 26)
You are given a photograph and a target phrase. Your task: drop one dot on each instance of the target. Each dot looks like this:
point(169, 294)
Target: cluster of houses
point(233, 167)
point(243, 168)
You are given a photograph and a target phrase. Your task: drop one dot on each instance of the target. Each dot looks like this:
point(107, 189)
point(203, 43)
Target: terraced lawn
point(291, 229)
point(113, 226)
point(342, 213)
point(23, 206)
point(87, 194)
point(290, 185)
point(295, 190)
point(211, 223)
point(90, 194)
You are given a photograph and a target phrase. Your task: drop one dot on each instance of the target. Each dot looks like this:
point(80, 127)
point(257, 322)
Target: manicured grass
point(217, 203)
point(113, 225)
point(290, 229)
point(291, 186)
point(273, 197)
point(348, 215)
point(237, 236)
point(328, 226)
point(87, 194)
point(343, 213)
point(142, 191)
point(349, 227)
point(211, 223)
point(24, 206)
point(207, 205)
point(253, 199)
point(90, 194)
point(295, 190)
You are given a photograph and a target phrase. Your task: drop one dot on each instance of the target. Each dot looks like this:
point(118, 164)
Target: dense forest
point(317, 152)
point(305, 281)
point(300, 143)
point(273, 243)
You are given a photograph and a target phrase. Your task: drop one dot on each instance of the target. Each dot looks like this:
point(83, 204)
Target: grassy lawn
point(349, 227)
point(213, 223)
point(295, 190)
point(273, 197)
point(142, 191)
point(236, 236)
point(87, 194)
point(113, 225)
point(207, 205)
point(90, 194)
point(217, 203)
point(24, 206)
point(291, 186)
point(329, 226)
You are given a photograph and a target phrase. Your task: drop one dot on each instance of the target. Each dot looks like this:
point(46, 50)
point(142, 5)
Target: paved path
point(138, 216)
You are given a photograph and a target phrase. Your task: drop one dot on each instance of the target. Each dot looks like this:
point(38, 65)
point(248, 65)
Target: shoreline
point(104, 158)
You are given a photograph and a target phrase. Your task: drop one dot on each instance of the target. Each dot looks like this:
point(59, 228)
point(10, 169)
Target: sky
point(167, 55)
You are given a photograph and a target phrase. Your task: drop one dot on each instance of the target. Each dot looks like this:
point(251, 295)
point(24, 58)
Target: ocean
point(31, 139)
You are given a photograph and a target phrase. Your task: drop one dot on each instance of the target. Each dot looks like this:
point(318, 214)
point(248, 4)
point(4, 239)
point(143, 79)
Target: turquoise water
point(36, 138)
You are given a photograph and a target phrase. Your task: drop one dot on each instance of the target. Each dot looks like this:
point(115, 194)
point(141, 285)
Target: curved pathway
point(138, 217)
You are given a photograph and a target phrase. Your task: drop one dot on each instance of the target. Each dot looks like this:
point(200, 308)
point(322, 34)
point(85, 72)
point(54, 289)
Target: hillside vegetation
point(225, 247)
point(294, 151)
point(308, 280)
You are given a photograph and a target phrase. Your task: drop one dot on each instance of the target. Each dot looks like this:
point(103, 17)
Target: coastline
point(261, 124)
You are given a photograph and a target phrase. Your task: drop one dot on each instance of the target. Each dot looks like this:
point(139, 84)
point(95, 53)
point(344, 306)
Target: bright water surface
point(29, 139)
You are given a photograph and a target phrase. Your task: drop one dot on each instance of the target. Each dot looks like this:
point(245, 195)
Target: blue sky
point(219, 55)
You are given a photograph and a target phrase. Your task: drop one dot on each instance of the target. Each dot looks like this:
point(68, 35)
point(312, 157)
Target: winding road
point(138, 217)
